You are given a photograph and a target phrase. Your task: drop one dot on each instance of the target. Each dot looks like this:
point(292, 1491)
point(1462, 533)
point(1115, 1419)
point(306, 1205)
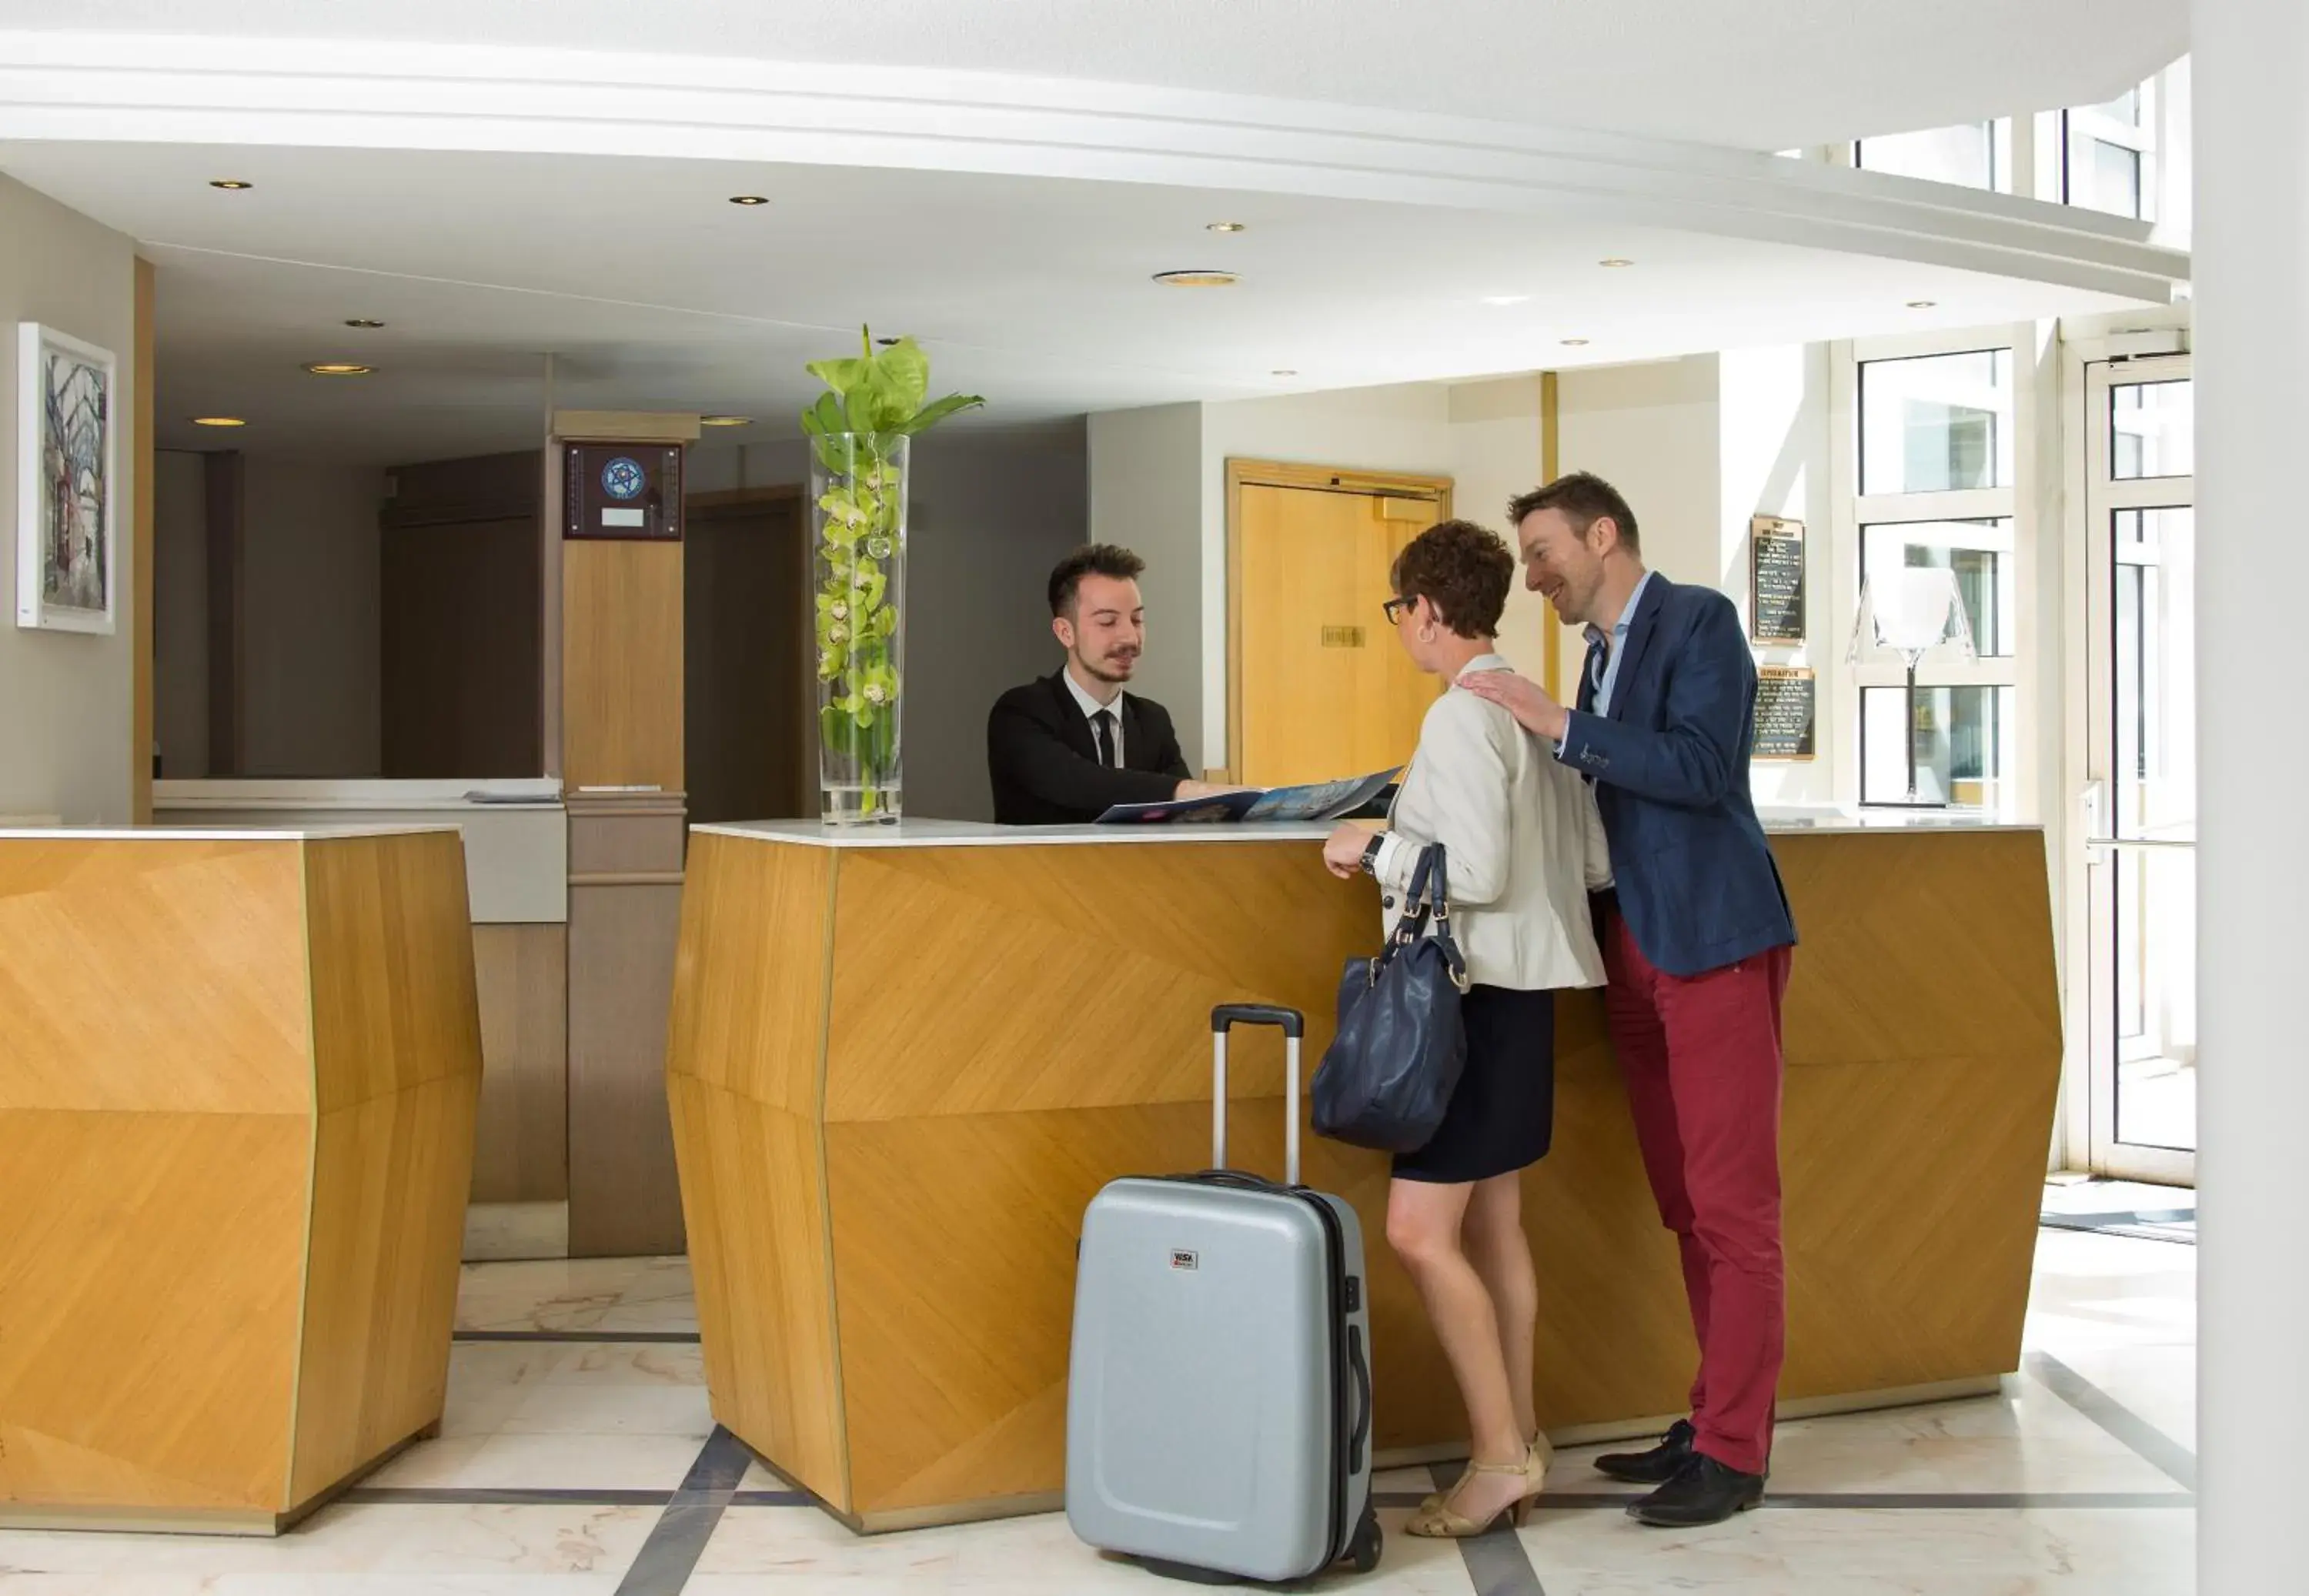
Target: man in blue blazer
point(1697, 945)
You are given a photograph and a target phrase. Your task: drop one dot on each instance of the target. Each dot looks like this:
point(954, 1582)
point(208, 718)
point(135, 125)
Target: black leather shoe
point(1705, 1493)
point(1661, 1464)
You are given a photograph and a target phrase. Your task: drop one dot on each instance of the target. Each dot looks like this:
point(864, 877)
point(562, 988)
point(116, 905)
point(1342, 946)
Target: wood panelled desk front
point(904, 1058)
point(237, 1076)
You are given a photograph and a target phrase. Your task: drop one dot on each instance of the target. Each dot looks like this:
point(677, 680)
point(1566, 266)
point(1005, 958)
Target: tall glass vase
point(858, 489)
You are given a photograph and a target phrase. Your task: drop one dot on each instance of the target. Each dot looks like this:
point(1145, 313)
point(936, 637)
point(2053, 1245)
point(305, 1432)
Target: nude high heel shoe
point(1435, 1519)
point(1540, 1446)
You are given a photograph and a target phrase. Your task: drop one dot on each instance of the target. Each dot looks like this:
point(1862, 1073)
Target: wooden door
point(1321, 688)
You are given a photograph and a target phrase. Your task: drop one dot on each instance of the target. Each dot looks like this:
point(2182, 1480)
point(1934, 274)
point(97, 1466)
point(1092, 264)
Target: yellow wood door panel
point(1326, 690)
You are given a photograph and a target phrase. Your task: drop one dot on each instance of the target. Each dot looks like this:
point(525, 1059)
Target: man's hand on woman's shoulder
point(1525, 699)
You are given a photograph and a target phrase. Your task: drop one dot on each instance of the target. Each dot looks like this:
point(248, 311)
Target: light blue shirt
point(1613, 646)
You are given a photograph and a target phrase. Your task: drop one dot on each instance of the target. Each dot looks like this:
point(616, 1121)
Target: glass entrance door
point(2141, 802)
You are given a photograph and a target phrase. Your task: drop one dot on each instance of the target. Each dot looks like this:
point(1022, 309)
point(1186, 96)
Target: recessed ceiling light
point(337, 368)
point(1616, 261)
point(1283, 372)
point(1223, 227)
point(362, 321)
point(1195, 279)
point(232, 184)
point(1574, 343)
point(725, 420)
point(218, 421)
point(1922, 304)
point(1505, 298)
point(749, 199)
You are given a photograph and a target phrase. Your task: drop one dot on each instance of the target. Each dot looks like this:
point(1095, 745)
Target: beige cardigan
point(1523, 844)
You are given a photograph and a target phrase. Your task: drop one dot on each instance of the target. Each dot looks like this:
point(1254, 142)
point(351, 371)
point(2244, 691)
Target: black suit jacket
point(1044, 758)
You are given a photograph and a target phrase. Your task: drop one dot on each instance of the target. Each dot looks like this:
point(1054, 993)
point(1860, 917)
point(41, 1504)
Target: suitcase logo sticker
point(1182, 1259)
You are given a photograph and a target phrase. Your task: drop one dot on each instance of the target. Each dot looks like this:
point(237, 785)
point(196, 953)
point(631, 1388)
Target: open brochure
point(1315, 801)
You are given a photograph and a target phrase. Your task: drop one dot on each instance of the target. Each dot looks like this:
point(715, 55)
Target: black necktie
point(1599, 655)
point(1104, 721)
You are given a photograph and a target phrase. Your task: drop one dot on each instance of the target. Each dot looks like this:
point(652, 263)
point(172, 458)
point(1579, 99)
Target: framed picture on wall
point(67, 481)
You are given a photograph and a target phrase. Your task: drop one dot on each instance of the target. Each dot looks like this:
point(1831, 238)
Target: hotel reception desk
point(904, 1058)
point(237, 1073)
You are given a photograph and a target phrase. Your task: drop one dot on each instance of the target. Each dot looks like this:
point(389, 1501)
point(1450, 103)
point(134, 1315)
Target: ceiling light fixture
point(1922, 304)
point(1195, 279)
point(218, 421)
point(337, 368)
point(362, 321)
point(1283, 372)
point(749, 199)
point(1574, 343)
point(232, 184)
point(1505, 298)
point(1616, 261)
point(725, 420)
point(1223, 227)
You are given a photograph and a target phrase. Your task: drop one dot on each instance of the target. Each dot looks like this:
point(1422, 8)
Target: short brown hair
point(1092, 559)
point(1584, 498)
point(1462, 569)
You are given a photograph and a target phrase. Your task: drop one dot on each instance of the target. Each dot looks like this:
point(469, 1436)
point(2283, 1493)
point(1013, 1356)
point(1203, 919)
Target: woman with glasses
point(1523, 846)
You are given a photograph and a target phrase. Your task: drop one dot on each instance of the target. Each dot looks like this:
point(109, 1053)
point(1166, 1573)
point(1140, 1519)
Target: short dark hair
point(1092, 559)
point(1462, 569)
point(1584, 498)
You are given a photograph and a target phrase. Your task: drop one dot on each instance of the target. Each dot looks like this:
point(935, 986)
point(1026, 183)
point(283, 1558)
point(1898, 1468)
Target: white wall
point(311, 592)
point(989, 514)
point(1496, 454)
point(180, 617)
point(66, 704)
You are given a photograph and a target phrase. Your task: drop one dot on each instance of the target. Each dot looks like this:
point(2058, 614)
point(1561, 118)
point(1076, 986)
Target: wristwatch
point(1370, 853)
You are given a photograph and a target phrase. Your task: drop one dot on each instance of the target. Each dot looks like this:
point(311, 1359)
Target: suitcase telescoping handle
point(1225, 1018)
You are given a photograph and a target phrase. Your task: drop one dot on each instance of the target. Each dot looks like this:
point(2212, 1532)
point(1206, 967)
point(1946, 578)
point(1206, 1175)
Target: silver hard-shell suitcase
point(1218, 1403)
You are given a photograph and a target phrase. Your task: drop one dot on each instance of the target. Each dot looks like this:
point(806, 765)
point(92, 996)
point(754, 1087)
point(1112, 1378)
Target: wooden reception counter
point(237, 1073)
point(904, 1058)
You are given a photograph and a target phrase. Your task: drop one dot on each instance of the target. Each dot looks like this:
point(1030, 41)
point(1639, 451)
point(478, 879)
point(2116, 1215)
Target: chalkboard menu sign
point(1775, 580)
point(1786, 702)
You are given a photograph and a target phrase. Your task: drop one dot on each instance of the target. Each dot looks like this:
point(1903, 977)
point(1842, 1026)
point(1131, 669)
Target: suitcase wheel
point(1363, 1550)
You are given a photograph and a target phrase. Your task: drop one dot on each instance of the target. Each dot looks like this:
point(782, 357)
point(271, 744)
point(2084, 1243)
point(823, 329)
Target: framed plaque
point(1775, 580)
point(1786, 703)
point(622, 491)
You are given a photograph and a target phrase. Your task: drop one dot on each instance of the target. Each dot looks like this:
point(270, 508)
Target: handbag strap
point(1439, 892)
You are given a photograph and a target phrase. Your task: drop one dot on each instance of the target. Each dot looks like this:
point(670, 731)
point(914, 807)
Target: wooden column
point(614, 716)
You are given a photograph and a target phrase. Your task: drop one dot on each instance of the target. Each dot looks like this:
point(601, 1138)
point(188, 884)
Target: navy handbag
point(1389, 1074)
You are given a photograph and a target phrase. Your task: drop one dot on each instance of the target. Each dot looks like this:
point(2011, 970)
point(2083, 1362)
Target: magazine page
point(1286, 806)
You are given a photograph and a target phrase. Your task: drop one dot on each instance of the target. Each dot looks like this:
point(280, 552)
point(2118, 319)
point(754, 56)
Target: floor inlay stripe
point(1497, 1563)
point(672, 1337)
point(2151, 1444)
point(670, 1556)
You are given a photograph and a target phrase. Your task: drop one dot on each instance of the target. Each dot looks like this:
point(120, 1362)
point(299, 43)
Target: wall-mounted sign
point(1775, 580)
point(622, 490)
point(1786, 708)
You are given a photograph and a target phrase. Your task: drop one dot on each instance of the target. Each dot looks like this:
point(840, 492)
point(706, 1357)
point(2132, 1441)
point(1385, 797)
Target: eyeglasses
point(1394, 608)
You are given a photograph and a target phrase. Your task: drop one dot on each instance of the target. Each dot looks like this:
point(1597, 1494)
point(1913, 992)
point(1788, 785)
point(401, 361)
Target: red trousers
point(1701, 1057)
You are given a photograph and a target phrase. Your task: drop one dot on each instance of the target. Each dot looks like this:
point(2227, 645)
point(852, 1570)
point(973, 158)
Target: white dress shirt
point(1092, 709)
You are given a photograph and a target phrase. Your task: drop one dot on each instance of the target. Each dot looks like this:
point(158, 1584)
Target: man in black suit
point(1063, 749)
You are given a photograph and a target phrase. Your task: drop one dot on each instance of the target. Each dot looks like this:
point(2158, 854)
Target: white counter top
point(176, 833)
point(399, 797)
point(979, 833)
point(976, 833)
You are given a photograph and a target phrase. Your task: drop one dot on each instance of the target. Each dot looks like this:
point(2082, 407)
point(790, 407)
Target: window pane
point(2155, 714)
point(1980, 553)
point(2125, 108)
point(1936, 423)
point(1964, 743)
point(2152, 430)
point(2104, 177)
point(2156, 998)
point(1965, 154)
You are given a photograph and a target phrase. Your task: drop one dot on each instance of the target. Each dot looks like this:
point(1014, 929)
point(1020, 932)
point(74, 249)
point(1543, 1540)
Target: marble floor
point(577, 1459)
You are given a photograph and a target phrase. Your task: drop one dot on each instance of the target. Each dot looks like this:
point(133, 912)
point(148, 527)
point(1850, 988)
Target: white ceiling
point(651, 291)
point(1759, 74)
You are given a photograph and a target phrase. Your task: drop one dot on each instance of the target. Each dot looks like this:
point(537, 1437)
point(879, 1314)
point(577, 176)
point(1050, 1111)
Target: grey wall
point(989, 514)
point(66, 704)
point(1146, 492)
point(311, 592)
point(180, 613)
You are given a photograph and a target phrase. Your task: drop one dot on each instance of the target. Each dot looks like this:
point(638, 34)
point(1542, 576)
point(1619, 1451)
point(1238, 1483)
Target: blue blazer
point(1689, 864)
